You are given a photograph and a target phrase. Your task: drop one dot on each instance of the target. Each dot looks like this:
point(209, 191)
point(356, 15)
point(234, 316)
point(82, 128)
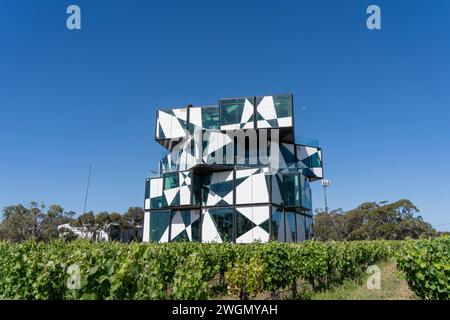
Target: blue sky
point(378, 101)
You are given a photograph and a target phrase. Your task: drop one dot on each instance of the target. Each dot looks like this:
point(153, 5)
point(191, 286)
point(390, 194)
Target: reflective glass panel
point(278, 230)
point(290, 226)
point(291, 190)
point(223, 218)
point(231, 111)
point(210, 117)
point(159, 223)
point(171, 180)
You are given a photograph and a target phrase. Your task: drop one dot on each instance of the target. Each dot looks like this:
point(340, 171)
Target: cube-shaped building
point(233, 172)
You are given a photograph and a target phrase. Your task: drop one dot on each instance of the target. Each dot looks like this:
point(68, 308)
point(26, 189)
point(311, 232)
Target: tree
point(118, 219)
point(17, 223)
point(86, 223)
point(371, 220)
point(329, 226)
point(55, 216)
point(102, 219)
point(135, 216)
point(32, 223)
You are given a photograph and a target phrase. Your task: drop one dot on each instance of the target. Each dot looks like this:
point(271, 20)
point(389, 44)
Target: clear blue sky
point(378, 101)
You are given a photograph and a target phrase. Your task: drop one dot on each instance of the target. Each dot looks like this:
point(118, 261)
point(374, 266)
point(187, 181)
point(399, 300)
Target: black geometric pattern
point(252, 224)
point(243, 224)
point(185, 225)
point(218, 189)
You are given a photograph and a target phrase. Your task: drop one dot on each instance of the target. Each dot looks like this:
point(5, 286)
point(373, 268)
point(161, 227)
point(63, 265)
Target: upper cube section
point(262, 112)
point(256, 112)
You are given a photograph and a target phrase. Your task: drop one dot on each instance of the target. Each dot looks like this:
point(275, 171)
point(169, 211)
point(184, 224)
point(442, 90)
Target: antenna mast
point(87, 189)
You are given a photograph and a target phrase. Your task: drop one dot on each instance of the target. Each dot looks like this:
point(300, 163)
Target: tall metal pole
point(325, 184)
point(87, 189)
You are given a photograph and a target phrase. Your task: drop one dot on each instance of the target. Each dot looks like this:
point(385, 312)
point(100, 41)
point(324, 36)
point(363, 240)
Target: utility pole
point(325, 185)
point(87, 189)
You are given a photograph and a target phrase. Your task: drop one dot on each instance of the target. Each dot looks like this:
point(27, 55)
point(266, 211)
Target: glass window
point(291, 190)
point(231, 111)
point(197, 189)
point(171, 180)
point(223, 188)
point(164, 165)
point(210, 117)
point(224, 222)
point(243, 224)
point(290, 226)
point(205, 143)
point(283, 103)
point(191, 147)
point(191, 221)
point(189, 218)
point(147, 189)
point(312, 161)
point(181, 237)
point(315, 161)
point(207, 179)
point(308, 227)
point(306, 193)
point(300, 227)
point(288, 153)
point(176, 122)
point(159, 224)
point(195, 226)
point(157, 202)
point(278, 232)
point(224, 156)
point(215, 186)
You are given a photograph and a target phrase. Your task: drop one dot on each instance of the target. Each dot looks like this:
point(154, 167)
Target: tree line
point(373, 220)
point(37, 222)
point(368, 221)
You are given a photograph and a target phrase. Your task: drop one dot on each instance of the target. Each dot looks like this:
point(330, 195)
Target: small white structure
point(110, 232)
point(101, 235)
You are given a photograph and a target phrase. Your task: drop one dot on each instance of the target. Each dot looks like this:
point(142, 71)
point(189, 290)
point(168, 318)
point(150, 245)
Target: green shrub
point(189, 281)
point(245, 278)
point(426, 265)
point(110, 270)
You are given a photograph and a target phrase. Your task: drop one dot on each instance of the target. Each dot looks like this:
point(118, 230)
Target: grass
point(393, 287)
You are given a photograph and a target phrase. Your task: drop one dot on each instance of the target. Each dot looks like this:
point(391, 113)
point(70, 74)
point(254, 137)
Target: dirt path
point(393, 287)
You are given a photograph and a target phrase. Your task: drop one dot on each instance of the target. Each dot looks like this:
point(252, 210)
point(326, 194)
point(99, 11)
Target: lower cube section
point(239, 224)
